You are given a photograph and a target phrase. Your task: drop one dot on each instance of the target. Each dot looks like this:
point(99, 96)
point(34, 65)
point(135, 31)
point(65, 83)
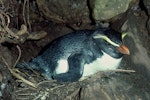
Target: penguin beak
point(123, 49)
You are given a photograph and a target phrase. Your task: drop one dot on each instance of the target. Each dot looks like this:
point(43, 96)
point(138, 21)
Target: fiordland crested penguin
point(80, 54)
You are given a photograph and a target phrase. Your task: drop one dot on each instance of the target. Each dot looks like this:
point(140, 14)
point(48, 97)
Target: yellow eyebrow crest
point(106, 39)
point(123, 35)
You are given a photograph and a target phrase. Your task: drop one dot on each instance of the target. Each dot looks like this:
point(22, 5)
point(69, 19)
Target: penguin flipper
point(76, 64)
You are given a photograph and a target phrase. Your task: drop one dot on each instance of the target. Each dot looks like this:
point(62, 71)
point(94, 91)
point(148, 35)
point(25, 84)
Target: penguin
point(80, 54)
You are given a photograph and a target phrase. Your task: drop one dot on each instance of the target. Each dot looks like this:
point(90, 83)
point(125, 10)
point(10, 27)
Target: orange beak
point(123, 49)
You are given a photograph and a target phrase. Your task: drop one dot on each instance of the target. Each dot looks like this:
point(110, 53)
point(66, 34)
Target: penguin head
point(110, 42)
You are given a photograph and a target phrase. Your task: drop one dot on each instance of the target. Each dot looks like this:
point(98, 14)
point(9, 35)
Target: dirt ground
point(112, 85)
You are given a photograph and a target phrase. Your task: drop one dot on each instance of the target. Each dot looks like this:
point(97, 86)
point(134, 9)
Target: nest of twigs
point(32, 86)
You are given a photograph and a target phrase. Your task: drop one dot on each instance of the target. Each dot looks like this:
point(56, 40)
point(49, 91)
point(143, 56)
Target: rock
point(77, 13)
point(147, 6)
point(65, 11)
point(138, 43)
point(106, 9)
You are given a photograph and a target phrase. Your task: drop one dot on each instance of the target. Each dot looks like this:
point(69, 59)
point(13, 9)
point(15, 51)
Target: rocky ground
point(28, 26)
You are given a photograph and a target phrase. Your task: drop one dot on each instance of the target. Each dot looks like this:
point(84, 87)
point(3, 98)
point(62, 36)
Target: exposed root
point(19, 56)
point(25, 13)
point(15, 74)
point(18, 36)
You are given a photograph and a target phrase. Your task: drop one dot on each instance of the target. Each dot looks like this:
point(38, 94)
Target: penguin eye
point(106, 39)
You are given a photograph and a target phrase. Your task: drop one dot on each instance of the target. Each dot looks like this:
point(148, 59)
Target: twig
point(22, 89)
point(22, 30)
point(57, 87)
point(2, 18)
point(45, 82)
point(25, 98)
point(106, 94)
point(123, 70)
point(19, 56)
point(28, 14)
point(10, 32)
point(25, 94)
point(23, 12)
point(73, 94)
point(18, 76)
point(8, 19)
point(6, 25)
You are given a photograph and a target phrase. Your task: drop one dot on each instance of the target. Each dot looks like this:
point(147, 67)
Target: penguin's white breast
point(62, 66)
point(104, 63)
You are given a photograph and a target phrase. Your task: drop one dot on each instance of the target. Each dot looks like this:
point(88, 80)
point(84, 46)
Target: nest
point(33, 87)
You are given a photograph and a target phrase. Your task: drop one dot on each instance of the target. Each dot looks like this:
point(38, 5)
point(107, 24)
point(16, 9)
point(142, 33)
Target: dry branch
point(18, 76)
point(122, 71)
point(15, 74)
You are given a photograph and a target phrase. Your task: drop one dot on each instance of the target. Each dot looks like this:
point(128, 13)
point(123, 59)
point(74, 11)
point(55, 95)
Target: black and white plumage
point(79, 54)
